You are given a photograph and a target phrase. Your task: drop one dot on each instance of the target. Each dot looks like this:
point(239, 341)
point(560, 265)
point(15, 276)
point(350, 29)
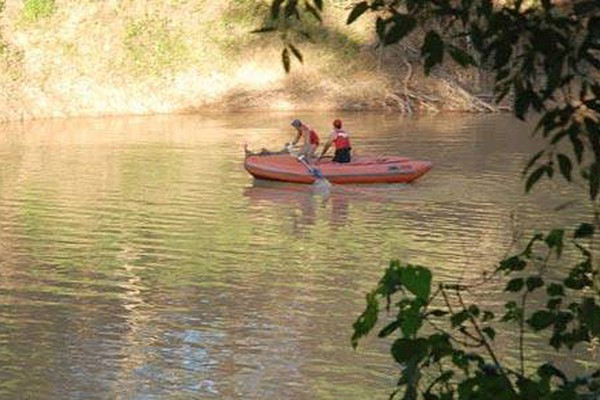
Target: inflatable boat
point(287, 167)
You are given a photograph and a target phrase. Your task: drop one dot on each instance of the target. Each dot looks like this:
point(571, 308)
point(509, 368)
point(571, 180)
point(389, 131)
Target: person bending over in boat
point(341, 140)
point(310, 137)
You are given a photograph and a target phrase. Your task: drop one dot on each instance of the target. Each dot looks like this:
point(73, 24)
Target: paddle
point(313, 170)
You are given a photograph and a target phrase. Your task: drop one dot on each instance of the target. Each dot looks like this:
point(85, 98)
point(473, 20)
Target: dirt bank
point(90, 58)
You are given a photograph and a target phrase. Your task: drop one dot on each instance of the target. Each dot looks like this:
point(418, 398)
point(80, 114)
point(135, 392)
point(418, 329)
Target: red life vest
point(314, 138)
point(341, 140)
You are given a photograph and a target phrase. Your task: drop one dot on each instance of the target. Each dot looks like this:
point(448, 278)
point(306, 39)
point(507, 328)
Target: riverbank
point(111, 58)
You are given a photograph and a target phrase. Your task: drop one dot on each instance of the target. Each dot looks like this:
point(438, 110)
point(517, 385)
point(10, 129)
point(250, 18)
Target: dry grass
point(85, 57)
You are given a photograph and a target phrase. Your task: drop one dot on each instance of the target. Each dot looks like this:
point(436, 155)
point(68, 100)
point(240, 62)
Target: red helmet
point(337, 123)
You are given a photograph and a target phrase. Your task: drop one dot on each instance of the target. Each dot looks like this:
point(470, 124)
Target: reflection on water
point(138, 259)
point(305, 200)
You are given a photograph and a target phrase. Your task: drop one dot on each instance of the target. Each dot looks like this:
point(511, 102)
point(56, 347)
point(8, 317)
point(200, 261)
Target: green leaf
point(440, 345)
point(358, 10)
point(555, 289)
point(296, 52)
point(392, 279)
point(417, 280)
point(437, 313)
point(549, 121)
point(548, 370)
point(541, 319)
point(532, 161)
point(534, 282)
point(458, 318)
point(502, 54)
point(432, 50)
point(558, 136)
point(291, 8)
point(522, 102)
point(473, 310)
point(264, 29)
point(593, 131)
point(514, 285)
point(596, 86)
point(487, 316)
point(529, 389)
point(534, 177)
point(584, 230)
point(554, 303)
point(460, 56)
point(377, 4)
point(314, 12)
point(380, 25)
point(285, 59)
point(459, 359)
point(367, 320)
point(490, 332)
point(580, 276)
point(594, 180)
point(402, 25)
point(554, 240)
point(389, 328)
point(590, 315)
point(565, 166)
point(409, 350)
point(512, 312)
point(275, 8)
point(411, 321)
point(514, 263)
point(577, 146)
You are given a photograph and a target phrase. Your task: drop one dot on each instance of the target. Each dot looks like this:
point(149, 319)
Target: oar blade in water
point(322, 185)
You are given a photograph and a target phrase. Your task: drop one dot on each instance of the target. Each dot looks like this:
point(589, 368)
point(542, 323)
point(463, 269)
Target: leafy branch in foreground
point(545, 57)
point(446, 347)
point(287, 18)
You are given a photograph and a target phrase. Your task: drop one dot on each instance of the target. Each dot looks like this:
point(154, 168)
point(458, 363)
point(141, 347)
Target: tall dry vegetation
point(91, 57)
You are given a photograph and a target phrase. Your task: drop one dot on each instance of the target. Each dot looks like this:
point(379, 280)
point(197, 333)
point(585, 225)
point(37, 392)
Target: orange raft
point(287, 168)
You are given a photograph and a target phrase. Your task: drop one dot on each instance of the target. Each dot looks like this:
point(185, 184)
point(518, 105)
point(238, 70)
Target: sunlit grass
point(95, 58)
point(11, 62)
point(34, 10)
point(154, 46)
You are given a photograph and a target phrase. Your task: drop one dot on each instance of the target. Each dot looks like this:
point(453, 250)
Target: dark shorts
point(342, 155)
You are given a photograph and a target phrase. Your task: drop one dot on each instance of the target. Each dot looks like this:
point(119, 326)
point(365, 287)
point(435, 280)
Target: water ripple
point(139, 260)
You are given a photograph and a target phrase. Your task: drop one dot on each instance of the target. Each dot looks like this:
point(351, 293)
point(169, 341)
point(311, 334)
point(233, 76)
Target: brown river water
point(139, 260)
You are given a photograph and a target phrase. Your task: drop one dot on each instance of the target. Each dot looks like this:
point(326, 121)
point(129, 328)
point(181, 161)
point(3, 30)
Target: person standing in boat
point(310, 137)
point(341, 140)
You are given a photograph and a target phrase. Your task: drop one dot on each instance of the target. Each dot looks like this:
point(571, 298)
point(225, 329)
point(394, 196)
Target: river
point(139, 260)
